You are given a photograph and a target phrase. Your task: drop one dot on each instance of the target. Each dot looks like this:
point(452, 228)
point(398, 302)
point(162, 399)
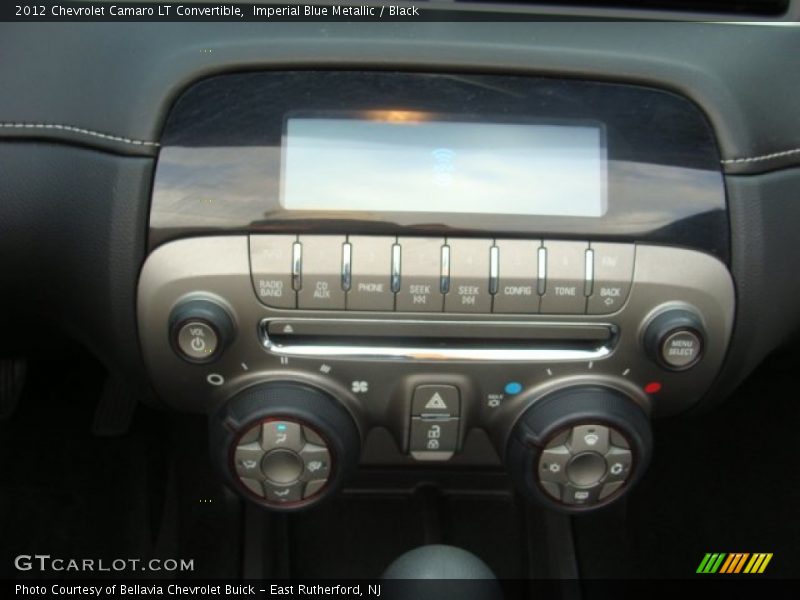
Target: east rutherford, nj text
point(309, 10)
point(322, 590)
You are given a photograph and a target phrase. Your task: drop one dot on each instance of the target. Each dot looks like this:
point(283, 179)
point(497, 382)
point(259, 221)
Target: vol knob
point(200, 330)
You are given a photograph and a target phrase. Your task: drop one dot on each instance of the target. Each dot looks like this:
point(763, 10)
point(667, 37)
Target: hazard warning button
point(438, 400)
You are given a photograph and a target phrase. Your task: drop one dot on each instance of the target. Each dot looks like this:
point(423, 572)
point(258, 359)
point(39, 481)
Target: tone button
point(565, 278)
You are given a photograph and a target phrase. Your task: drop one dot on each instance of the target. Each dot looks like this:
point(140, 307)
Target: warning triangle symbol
point(436, 402)
point(288, 329)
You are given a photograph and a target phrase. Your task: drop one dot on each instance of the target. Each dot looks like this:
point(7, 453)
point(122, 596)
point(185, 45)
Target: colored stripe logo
point(734, 563)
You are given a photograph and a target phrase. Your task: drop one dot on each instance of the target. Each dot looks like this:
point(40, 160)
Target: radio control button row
point(271, 269)
point(433, 439)
point(469, 277)
point(371, 270)
point(613, 273)
point(420, 273)
point(518, 280)
point(321, 286)
point(566, 278)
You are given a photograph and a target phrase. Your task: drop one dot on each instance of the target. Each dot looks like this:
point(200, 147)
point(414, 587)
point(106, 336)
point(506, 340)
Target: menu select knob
point(200, 330)
point(675, 339)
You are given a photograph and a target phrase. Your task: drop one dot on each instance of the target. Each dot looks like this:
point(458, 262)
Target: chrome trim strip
point(421, 353)
point(494, 269)
point(541, 258)
point(297, 266)
point(395, 268)
point(444, 278)
point(589, 273)
point(347, 273)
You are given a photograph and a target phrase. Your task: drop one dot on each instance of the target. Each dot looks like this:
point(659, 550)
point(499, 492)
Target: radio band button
point(271, 264)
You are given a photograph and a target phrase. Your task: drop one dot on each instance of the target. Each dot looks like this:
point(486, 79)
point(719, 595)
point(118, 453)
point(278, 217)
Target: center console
point(543, 261)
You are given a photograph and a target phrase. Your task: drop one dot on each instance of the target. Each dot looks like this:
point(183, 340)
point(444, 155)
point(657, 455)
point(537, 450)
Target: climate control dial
point(284, 445)
point(580, 448)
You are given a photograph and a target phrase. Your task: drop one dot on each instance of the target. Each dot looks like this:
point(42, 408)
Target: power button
point(200, 330)
point(197, 341)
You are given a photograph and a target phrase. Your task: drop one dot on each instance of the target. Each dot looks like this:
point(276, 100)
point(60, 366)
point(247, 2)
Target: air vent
point(732, 7)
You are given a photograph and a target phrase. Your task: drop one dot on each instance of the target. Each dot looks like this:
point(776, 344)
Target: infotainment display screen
point(405, 162)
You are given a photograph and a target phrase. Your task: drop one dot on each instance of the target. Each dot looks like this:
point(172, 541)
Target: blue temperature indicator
point(281, 427)
point(513, 387)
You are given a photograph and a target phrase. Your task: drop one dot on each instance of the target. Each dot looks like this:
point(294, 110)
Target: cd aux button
point(518, 277)
point(271, 269)
point(420, 272)
point(321, 280)
point(371, 268)
point(469, 277)
point(565, 278)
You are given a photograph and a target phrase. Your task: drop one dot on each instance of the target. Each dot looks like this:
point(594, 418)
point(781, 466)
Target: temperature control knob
point(284, 445)
point(580, 448)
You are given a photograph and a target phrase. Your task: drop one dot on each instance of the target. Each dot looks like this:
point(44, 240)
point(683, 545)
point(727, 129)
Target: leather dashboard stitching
point(97, 134)
point(118, 138)
point(731, 161)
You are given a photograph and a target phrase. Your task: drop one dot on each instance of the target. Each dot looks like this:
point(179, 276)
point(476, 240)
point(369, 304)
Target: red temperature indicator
point(653, 387)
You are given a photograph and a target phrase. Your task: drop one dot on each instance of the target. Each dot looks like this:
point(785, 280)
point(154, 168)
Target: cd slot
point(438, 340)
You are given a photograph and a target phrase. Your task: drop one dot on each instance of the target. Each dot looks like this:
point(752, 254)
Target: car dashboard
point(336, 274)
